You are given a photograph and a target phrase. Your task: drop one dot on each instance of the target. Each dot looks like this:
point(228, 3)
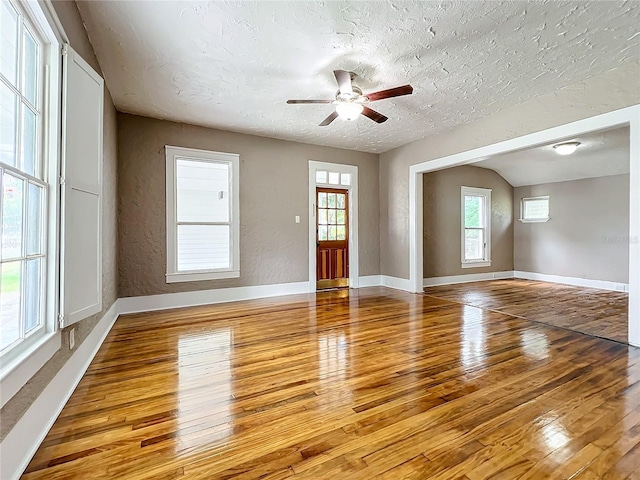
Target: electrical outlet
point(297, 218)
point(72, 338)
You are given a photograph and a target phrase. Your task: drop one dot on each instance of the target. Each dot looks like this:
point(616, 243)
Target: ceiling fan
point(351, 102)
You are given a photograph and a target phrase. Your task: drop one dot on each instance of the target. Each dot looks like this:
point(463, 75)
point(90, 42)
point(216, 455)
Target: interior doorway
point(332, 238)
point(334, 258)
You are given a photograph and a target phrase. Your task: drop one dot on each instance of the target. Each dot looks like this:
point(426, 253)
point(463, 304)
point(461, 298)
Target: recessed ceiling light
point(566, 148)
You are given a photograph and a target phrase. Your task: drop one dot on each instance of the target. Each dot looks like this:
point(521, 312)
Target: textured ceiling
point(600, 154)
point(233, 65)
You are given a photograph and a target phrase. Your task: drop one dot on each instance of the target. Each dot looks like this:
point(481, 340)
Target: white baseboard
point(370, 281)
point(471, 277)
point(397, 283)
point(22, 442)
point(575, 281)
point(205, 297)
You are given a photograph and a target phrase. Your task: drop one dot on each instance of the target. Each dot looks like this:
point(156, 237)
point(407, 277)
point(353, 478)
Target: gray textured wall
point(587, 235)
point(612, 90)
point(442, 216)
point(15, 408)
point(273, 190)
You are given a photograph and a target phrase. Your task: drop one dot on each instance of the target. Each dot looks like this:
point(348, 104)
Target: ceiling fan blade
point(329, 119)
point(309, 101)
point(392, 92)
point(373, 115)
point(344, 81)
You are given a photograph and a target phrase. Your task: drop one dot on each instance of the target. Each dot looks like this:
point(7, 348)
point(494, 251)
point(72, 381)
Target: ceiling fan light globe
point(349, 111)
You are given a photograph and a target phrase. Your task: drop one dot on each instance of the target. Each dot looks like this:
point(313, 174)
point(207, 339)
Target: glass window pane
point(8, 116)
point(331, 200)
point(340, 198)
point(10, 302)
point(342, 233)
point(322, 199)
point(345, 179)
point(334, 178)
point(8, 42)
point(29, 141)
point(33, 294)
point(12, 214)
point(473, 245)
point(321, 176)
point(30, 74)
point(332, 217)
point(332, 232)
point(537, 208)
point(322, 232)
point(322, 216)
point(340, 217)
point(202, 191)
point(472, 211)
point(34, 220)
point(203, 247)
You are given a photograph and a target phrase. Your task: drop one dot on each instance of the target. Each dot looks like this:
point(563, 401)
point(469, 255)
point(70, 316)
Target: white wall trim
point(397, 283)
point(354, 257)
point(575, 281)
point(471, 277)
point(206, 297)
point(22, 442)
point(625, 116)
point(27, 366)
point(370, 281)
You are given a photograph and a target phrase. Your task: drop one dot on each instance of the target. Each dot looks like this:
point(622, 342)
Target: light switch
point(297, 218)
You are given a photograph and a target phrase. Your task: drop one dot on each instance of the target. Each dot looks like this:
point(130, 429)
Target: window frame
point(27, 356)
point(523, 200)
point(476, 192)
point(173, 154)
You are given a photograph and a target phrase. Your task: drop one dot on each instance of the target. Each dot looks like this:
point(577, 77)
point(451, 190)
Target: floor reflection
point(204, 388)
point(473, 337)
point(535, 344)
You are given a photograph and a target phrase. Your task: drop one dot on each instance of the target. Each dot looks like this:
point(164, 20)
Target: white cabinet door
point(81, 253)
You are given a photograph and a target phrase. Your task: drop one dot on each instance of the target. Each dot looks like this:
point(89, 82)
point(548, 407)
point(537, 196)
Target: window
point(27, 165)
point(202, 215)
point(534, 209)
point(476, 227)
point(332, 178)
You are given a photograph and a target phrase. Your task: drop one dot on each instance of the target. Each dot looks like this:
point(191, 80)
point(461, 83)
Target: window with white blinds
point(202, 215)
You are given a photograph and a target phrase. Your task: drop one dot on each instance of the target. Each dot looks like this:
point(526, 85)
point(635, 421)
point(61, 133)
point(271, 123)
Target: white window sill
point(476, 264)
point(196, 277)
point(14, 374)
point(534, 220)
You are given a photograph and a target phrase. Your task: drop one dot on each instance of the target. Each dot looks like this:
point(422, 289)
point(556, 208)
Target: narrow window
point(25, 184)
point(534, 209)
point(202, 215)
point(476, 227)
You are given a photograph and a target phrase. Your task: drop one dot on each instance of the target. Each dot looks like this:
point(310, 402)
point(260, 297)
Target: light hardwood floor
point(600, 313)
point(374, 383)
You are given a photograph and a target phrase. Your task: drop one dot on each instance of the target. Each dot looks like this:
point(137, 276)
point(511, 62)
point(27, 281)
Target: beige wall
point(15, 408)
point(273, 190)
point(587, 234)
point(442, 216)
point(612, 90)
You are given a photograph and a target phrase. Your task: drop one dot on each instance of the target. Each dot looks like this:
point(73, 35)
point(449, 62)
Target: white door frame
point(353, 218)
point(627, 116)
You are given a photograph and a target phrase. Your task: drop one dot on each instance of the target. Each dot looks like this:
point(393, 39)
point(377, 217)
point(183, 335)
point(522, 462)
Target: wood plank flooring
point(364, 384)
point(600, 313)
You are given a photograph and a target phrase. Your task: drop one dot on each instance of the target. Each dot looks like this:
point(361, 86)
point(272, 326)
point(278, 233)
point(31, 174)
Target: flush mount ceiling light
point(566, 148)
point(349, 111)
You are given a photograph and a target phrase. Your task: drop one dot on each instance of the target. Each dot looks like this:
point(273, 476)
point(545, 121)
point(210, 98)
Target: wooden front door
point(332, 238)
